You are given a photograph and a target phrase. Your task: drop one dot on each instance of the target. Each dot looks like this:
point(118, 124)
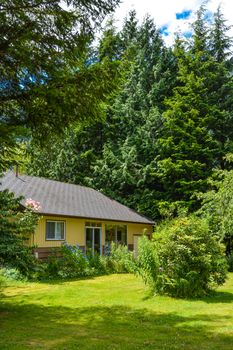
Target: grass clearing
point(112, 312)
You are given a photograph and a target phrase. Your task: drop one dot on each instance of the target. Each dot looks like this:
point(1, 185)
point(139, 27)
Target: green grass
point(112, 312)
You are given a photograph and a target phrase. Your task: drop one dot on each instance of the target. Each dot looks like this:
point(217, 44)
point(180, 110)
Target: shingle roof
point(59, 198)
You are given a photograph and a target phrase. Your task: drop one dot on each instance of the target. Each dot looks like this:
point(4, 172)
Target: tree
point(48, 78)
point(196, 128)
point(117, 156)
point(217, 206)
point(133, 121)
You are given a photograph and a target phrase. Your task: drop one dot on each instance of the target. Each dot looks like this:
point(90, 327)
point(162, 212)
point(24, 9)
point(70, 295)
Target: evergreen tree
point(46, 82)
point(133, 122)
point(194, 136)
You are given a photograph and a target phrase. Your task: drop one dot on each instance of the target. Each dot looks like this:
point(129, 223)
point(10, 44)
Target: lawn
point(112, 312)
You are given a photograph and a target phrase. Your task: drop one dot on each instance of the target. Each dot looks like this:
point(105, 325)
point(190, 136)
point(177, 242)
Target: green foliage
point(16, 226)
point(120, 259)
point(71, 262)
point(12, 274)
point(187, 259)
point(147, 261)
point(230, 262)
point(49, 77)
point(196, 129)
point(66, 262)
point(168, 124)
point(217, 207)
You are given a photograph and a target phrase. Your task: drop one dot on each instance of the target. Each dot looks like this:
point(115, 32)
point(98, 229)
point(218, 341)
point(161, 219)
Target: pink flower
point(32, 204)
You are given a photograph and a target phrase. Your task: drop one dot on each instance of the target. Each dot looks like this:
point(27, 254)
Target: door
point(93, 240)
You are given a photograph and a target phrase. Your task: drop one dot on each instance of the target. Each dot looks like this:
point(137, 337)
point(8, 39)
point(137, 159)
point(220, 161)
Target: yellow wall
point(138, 229)
point(75, 231)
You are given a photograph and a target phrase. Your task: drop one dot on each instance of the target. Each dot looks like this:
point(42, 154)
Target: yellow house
point(76, 215)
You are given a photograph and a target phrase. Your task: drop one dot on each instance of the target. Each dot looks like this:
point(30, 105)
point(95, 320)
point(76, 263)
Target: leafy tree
point(48, 78)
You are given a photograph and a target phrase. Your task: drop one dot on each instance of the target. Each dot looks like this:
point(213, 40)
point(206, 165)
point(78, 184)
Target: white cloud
point(164, 12)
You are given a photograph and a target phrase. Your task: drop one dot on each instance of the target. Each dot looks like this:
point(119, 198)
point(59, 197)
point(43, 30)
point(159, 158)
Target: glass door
point(93, 240)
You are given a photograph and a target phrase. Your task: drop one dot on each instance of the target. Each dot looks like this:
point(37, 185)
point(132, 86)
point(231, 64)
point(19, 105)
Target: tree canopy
point(48, 76)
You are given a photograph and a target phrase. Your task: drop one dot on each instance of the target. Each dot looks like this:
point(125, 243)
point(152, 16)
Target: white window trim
point(55, 239)
point(115, 232)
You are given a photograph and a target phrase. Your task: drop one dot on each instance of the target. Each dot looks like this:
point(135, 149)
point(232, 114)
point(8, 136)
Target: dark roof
point(59, 198)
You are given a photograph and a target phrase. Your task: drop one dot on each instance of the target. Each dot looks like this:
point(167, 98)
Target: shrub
point(74, 261)
point(120, 259)
point(66, 262)
point(98, 264)
point(16, 226)
point(187, 260)
point(70, 262)
point(147, 261)
point(12, 274)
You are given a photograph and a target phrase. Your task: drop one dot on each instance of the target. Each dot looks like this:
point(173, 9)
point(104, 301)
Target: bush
point(12, 274)
point(70, 262)
point(98, 264)
point(147, 261)
point(184, 260)
point(16, 226)
point(120, 259)
point(67, 262)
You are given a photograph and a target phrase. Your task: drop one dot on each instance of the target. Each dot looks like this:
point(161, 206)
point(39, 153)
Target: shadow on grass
point(214, 297)
point(32, 326)
point(218, 297)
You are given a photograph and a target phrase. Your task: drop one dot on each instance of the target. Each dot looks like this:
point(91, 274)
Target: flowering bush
point(29, 217)
point(67, 262)
point(32, 204)
point(15, 227)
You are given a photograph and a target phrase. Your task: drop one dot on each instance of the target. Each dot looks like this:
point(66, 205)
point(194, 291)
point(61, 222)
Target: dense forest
point(166, 125)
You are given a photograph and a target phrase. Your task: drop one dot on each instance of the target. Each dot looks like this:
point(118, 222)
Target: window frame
point(55, 239)
point(115, 233)
point(94, 226)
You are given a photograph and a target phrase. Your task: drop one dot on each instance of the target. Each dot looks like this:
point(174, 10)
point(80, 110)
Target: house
point(76, 214)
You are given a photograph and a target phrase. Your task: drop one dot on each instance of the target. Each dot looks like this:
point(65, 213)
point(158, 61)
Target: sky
point(172, 15)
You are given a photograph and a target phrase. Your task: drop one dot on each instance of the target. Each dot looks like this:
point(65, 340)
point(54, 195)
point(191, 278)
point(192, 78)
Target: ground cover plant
point(112, 312)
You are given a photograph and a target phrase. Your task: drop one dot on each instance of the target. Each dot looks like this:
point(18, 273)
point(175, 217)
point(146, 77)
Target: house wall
point(75, 233)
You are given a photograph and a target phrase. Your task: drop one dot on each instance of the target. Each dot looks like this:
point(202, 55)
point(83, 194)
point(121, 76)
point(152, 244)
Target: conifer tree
point(194, 136)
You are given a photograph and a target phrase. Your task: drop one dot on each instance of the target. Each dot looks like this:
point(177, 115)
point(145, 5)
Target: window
point(93, 224)
point(116, 233)
point(55, 230)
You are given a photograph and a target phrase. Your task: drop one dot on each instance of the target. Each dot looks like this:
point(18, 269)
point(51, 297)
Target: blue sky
point(172, 15)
